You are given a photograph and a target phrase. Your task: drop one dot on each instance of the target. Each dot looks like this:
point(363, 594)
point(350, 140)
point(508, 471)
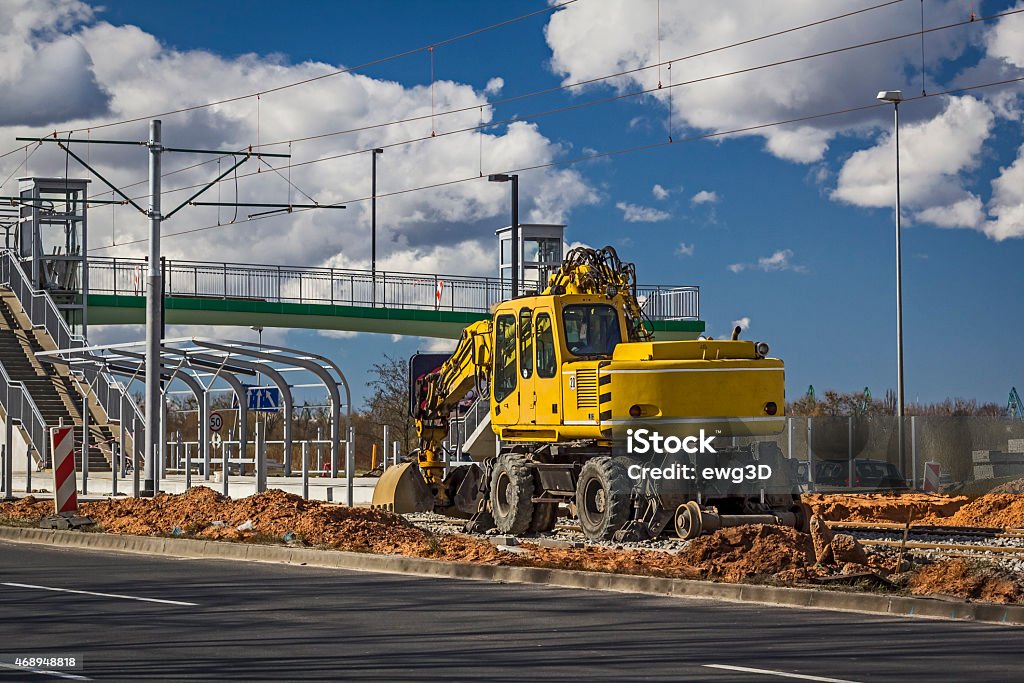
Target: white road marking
point(782, 674)
point(102, 595)
point(45, 672)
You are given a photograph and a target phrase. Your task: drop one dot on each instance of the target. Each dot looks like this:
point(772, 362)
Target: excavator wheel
point(544, 517)
point(603, 498)
point(512, 494)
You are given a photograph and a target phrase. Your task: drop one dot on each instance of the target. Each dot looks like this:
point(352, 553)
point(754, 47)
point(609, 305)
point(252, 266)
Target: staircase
point(475, 426)
point(55, 394)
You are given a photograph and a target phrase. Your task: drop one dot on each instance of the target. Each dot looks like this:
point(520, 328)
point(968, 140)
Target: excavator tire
point(512, 494)
point(544, 517)
point(603, 498)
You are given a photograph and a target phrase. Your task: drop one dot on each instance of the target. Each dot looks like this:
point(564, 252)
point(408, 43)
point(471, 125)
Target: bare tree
point(389, 402)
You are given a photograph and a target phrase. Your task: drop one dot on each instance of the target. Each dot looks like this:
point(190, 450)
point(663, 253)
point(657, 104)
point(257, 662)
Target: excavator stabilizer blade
point(401, 489)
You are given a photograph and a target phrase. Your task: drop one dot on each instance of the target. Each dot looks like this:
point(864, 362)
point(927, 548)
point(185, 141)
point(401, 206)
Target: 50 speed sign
point(216, 422)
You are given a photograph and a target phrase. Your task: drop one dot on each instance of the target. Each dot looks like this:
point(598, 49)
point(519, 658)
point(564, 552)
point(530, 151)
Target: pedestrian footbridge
point(222, 293)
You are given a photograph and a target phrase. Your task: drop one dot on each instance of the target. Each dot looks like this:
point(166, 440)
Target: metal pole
point(188, 469)
point(115, 462)
point(204, 432)
point(900, 407)
point(373, 226)
point(85, 438)
point(154, 286)
point(515, 236)
point(350, 467)
point(261, 456)
point(136, 460)
point(225, 465)
point(810, 455)
point(8, 456)
point(384, 450)
point(913, 451)
point(849, 451)
point(305, 469)
point(789, 438)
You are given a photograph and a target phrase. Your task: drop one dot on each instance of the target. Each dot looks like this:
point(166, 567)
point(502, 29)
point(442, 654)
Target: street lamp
point(504, 178)
point(373, 225)
point(896, 96)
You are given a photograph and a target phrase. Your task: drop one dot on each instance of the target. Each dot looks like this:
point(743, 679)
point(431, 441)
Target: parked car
point(868, 475)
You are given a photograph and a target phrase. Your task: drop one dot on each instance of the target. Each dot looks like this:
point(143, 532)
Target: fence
point(955, 443)
point(341, 286)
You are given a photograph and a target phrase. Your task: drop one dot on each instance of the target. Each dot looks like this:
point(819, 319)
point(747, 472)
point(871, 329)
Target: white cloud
point(1007, 204)
point(494, 85)
point(633, 213)
point(704, 197)
point(1006, 40)
point(102, 71)
point(589, 40)
point(743, 323)
point(685, 249)
point(659, 192)
point(933, 155)
point(778, 261)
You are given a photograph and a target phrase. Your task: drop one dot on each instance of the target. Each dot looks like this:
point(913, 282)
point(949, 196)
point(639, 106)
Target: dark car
point(870, 475)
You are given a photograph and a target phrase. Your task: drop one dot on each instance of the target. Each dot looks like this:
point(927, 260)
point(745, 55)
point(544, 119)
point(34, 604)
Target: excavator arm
point(419, 486)
point(601, 272)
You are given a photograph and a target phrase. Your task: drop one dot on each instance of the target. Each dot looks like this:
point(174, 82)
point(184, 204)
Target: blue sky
point(796, 230)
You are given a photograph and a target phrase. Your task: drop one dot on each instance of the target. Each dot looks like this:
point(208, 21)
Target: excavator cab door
point(547, 388)
point(505, 384)
point(527, 378)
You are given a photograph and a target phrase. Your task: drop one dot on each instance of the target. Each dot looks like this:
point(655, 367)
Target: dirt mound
point(596, 559)
point(1015, 486)
point(879, 507)
point(739, 553)
point(28, 506)
point(968, 581)
point(1005, 510)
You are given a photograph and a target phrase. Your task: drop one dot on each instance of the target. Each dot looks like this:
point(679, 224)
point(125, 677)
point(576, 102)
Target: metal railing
point(43, 313)
point(23, 411)
point(343, 286)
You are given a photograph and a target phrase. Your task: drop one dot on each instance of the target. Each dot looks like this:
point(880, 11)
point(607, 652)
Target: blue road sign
point(264, 399)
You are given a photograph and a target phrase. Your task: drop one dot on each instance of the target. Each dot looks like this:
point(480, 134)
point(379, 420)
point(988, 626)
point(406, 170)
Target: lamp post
point(504, 178)
point(896, 96)
point(373, 225)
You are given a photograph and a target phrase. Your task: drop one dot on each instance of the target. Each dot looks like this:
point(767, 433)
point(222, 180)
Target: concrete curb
point(868, 603)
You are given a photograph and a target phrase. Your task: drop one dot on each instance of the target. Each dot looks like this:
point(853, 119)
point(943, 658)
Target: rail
point(23, 410)
point(343, 286)
point(43, 313)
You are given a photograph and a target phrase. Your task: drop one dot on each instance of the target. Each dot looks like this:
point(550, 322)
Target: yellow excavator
point(629, 435)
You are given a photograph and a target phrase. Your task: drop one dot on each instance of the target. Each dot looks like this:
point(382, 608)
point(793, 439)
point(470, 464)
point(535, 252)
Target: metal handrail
point(20, 407)
point(43, 313)
point(346, 286)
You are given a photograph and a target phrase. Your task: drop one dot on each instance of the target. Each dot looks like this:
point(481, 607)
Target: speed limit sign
point(216, 422)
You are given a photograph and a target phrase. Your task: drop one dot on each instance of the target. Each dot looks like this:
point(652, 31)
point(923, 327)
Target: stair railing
point(43, 313)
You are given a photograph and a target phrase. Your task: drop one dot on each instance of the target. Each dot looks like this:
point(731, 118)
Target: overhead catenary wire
point(546, 91)
point(631, 94)
point(620, 152)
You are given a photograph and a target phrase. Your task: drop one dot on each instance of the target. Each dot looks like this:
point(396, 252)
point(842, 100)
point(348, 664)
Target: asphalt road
point(251, 621)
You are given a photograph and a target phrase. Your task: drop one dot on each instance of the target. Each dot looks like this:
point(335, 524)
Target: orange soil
point(735, 554)
point(968, 581)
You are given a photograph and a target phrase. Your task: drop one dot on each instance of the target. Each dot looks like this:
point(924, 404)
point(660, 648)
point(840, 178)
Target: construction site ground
point(857, 542)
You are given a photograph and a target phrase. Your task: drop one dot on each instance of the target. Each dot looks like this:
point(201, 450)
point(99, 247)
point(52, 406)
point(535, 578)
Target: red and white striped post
point(64, 484)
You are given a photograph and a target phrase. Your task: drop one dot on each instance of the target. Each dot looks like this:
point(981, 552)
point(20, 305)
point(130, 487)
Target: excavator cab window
point(547, 364)
point(525, 343)
point(591, 330)
point(505, 356)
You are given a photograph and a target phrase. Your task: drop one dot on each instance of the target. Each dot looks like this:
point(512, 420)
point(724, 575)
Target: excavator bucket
point(401, 489)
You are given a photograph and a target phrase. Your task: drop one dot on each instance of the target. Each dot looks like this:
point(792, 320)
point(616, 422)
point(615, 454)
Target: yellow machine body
point(676, 387)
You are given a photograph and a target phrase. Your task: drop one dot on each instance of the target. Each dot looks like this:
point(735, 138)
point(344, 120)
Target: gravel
point(564, 535)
